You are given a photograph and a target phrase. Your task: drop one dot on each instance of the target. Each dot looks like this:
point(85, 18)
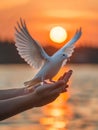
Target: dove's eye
point(64, 55)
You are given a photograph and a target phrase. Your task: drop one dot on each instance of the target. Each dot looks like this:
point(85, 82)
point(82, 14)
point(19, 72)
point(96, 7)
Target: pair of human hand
point(47, 93)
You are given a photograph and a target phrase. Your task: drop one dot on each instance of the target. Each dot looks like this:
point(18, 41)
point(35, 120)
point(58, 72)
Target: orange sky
point(42, 15)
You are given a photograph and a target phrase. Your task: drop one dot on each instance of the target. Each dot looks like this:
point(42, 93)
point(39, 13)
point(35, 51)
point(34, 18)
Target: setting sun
point(58, 34)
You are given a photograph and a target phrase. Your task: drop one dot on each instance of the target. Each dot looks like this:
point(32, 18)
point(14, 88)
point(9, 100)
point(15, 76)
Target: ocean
point(75, 110)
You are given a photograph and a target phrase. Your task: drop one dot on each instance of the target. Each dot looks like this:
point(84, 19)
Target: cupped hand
point(47, 93)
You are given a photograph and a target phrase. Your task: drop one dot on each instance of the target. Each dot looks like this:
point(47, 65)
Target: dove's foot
point(44, 82)
point(47, 82)
point(51, 80)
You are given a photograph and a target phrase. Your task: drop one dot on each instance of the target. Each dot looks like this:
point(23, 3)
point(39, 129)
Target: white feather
point(68, 48)
point(28, 48)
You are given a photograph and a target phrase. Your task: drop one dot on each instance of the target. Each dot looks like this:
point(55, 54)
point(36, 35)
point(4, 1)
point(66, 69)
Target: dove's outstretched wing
point(68, 48)
point(28, 48)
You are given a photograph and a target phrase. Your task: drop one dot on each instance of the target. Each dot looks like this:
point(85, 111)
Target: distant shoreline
point(81, 55)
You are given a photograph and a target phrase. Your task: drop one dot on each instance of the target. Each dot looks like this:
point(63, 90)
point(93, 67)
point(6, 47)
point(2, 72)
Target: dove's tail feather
point(31, 82)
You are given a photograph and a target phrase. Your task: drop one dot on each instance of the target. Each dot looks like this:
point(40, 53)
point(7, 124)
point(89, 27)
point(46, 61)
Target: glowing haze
point(41, 16)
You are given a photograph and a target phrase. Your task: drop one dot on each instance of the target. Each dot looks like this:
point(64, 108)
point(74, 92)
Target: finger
point(59, 90)
point(64, 89)
point(62, 77)
point(52, 86)
point(58, 84)
point(67, 76)
point(66, 73)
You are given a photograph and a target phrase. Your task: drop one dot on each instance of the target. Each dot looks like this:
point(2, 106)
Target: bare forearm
point(13, 106)
point(10, 93)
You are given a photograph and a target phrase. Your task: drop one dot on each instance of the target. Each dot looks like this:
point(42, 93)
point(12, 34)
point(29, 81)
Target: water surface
point(77, 109)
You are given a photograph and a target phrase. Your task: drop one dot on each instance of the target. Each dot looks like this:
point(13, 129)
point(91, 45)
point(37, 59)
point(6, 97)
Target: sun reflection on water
point(57, 114)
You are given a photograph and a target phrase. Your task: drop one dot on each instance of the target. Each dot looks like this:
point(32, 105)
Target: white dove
point(33, 53)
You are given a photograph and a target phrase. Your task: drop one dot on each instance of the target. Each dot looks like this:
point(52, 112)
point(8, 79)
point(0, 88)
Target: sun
point(58, 34)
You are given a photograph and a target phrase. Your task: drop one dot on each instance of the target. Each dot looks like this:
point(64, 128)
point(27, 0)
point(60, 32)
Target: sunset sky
point(42, 15)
